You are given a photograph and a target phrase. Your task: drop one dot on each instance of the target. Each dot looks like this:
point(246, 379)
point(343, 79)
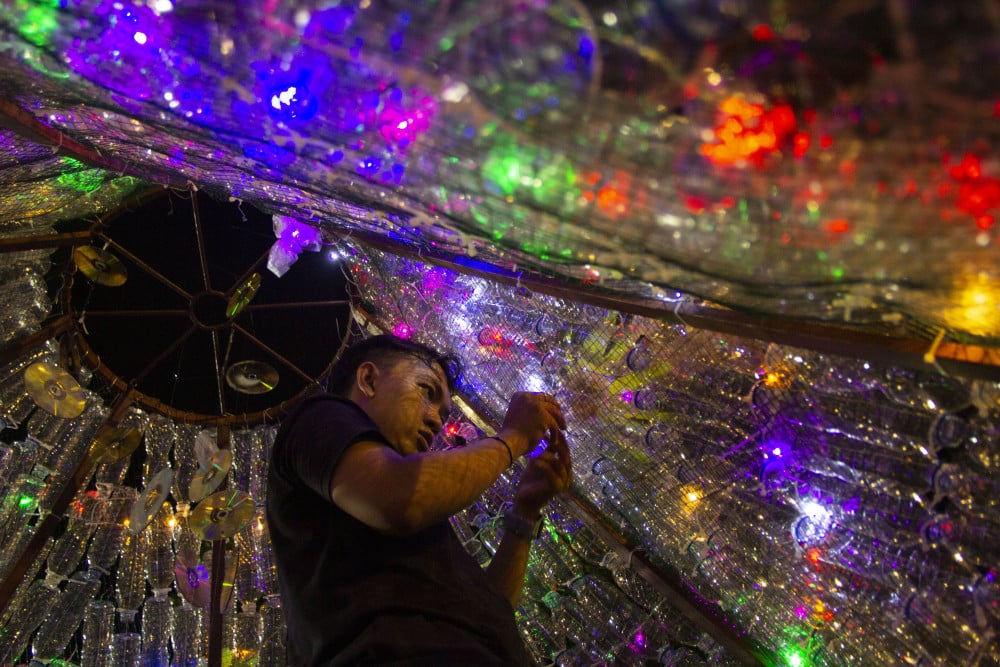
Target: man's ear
point(365, 378)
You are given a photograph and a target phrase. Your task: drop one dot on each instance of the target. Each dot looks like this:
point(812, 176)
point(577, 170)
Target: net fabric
point(822, 161)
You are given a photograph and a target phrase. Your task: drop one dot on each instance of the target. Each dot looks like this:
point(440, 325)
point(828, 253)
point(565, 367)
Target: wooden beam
point(47, 527)
point(218, 576)
point(19, 243)
point(33, 341)
point(972, 361)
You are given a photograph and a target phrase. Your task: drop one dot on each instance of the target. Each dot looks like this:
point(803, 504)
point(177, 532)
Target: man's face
point(410, 404)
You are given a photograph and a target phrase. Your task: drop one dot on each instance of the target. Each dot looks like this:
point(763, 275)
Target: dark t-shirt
point(353, 596)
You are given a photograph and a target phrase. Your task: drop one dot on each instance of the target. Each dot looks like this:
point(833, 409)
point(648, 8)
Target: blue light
point(291, 100)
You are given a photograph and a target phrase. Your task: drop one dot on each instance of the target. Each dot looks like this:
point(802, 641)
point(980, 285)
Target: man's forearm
point(506, 571)
point(401, 495)
point(448, 482)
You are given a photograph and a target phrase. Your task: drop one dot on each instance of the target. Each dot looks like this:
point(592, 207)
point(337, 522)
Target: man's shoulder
point(329, 404)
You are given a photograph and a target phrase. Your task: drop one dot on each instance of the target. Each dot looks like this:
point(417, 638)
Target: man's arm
point(543, 478)
point(401, 495)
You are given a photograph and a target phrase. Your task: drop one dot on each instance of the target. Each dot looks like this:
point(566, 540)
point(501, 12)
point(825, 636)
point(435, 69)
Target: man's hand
point(531, 417)
point(544, 477)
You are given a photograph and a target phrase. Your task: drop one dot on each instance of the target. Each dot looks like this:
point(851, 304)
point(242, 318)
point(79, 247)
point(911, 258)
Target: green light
point(25, 502)
point(39, 21)
point(506, 167)
point(793, 658)
point(446, 43)
point(838, 272)
point(82, 181)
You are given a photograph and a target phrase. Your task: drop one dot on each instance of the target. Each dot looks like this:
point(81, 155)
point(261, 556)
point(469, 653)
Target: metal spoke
point(200, 237)
point(249, 272)
point(297, 304)
point(163, 355)
point(274, 353)
point(153, 312)
point(145, 267)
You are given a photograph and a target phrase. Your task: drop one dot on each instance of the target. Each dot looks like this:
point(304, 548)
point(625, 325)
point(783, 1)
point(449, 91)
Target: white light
point(284, 97)
point(334, 256)
point(535, 383)
point(161, 6)
point(139, 37)
point(455, 93)
point(815, 511)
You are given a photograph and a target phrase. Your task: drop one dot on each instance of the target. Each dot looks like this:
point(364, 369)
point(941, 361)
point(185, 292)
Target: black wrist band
point(503, 442)
point(522, 527)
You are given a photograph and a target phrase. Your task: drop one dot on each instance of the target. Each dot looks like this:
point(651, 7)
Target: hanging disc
point(54, 390)
point(252, 377)
point(100, 266)
point(150, 500)
point(114, 443)
point(243, 295)
point(222, 515)
point(207, 480)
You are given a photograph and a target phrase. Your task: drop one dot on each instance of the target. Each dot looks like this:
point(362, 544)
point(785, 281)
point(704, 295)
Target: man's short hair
point(385, 351)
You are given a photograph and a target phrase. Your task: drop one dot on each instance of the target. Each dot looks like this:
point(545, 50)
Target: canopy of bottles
point(735, 500)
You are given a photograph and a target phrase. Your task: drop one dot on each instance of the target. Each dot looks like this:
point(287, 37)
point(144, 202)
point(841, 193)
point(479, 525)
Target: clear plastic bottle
point(126, 649)
point(188, 636)
point(130, 583)
point(156, 630)
point(98, 628)
point(273, 630)
point(66, 615)
point(24, 618)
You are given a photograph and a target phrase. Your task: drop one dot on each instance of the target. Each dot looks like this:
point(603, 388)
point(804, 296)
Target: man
point(357, 507)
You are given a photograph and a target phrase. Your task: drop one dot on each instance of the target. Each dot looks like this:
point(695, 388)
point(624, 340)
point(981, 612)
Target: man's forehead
point(426, 368)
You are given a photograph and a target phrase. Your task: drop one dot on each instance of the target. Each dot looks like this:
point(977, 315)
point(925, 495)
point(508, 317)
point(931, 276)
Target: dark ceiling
point(156, 331)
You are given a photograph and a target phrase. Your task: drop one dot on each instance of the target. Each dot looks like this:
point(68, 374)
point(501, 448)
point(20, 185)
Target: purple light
point(402, 330)
point(626, 396)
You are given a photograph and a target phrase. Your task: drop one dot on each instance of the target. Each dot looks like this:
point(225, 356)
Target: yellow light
point(975, 306)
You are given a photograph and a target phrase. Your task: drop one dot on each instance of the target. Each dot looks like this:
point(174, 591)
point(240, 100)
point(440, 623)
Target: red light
point(813, 555)
point(763, 33)
point(695, 204)
point(838, 226)
point(801, 144)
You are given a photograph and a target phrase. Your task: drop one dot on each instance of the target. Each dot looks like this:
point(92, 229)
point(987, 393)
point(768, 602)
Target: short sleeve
point(313, 441)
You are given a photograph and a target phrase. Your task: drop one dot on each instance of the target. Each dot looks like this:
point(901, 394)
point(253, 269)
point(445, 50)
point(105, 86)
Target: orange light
point(748, 132)
point(838, 226)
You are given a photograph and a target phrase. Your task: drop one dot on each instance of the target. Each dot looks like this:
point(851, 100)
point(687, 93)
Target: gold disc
point(54, 390)
point(114, 443)
point(252, 377)
point(243, 295)
point(208, 479)
point(222, 515)
point(100, 266)
point(150, 500)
